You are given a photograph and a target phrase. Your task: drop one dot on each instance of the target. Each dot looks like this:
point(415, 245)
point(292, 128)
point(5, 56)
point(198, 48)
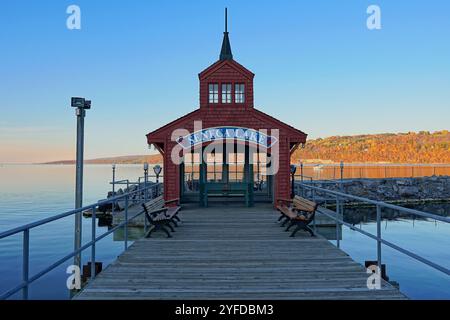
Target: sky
point(318, 67)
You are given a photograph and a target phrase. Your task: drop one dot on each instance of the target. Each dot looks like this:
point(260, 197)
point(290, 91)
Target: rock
point(404, 182)
point(409, 191)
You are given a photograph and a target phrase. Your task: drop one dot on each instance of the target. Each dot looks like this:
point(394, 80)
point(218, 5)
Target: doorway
point(236, 174)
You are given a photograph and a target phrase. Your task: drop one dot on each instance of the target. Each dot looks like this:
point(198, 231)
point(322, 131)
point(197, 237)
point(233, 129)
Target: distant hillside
point(118, 160)
point(422, 147)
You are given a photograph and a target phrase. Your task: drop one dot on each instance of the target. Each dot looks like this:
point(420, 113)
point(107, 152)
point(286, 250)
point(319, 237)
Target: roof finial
point(225, 53)
point(226, 19)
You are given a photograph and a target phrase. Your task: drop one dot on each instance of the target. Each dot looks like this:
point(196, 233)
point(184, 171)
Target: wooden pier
point(230, 252)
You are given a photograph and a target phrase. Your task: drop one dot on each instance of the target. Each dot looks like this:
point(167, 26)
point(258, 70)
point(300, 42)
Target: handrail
point(378, 237)
point(26, 280)
point(381, 203)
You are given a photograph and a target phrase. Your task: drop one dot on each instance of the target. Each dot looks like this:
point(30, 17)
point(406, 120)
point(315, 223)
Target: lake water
point(32, 192)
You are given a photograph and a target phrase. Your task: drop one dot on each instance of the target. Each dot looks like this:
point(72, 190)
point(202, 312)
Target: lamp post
point(145, 181)
point(81, 106)
point(157, 170)
point(293, 170)
point(113, 179)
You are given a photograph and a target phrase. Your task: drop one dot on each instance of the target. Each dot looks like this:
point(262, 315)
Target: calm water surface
point(32, 192)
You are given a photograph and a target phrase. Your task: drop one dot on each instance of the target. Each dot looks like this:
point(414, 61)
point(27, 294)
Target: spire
point(225, 53)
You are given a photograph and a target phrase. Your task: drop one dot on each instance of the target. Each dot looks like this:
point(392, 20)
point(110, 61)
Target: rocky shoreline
point(395, 190)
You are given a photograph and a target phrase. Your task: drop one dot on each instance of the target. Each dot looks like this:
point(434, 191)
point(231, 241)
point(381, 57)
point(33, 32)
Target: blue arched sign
point(221, 133)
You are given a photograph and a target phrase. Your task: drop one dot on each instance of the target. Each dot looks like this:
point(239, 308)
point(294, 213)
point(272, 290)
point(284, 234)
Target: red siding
point(241, 115)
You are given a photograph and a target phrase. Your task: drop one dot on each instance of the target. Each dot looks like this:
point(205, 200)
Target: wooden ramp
point(230, 252)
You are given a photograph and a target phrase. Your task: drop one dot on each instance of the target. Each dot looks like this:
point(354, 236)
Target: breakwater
point(436, 188)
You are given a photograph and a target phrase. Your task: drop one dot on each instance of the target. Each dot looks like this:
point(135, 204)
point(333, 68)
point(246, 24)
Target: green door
point(226, 174)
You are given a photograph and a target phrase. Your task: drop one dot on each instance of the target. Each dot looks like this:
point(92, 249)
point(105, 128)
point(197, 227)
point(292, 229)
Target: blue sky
point(317, 67)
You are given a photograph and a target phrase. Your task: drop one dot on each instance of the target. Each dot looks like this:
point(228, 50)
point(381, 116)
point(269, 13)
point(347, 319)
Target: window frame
point(213, 95)
point(227, 94)
point(239, 93)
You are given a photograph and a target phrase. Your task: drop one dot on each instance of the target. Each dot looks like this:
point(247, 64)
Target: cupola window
point(213, 93)
point(226, 93)
point(239, 93)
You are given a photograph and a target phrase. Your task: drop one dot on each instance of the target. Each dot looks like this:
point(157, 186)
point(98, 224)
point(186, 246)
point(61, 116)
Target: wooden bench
point(300, 212)
point(163, 218)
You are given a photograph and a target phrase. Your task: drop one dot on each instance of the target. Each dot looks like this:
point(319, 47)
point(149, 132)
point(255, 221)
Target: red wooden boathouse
point(246, 170)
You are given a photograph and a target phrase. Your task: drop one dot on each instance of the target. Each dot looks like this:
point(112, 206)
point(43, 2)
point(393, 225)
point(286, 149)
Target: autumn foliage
point(422, 147)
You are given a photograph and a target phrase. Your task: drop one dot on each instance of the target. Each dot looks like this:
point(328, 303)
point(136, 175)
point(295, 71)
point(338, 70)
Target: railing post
point(126, 222)
point(338, 206)
point(145, 224)
point(301, 171)
point(26, 262)
point(145, 181)
point(314, 225)
point(93, 232)
point(379, 236)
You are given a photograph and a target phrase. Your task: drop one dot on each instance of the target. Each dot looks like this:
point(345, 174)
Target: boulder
point(409, 191)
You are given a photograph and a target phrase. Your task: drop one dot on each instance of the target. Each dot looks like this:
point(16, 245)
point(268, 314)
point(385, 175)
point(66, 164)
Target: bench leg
point(299, 227)
point(175, 224)
point(285, 221)
point(280, 218)
point(307, 228)
point(177, 218)
point(156, 227)
point(166, 232)
point(302, 226)
point(169, 226)
point(149, 233)
point(290, 225)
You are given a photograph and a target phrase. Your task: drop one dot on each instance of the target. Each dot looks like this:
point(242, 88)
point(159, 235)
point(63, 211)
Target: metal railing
point(333, 171)
point(339, 196)
point(144, 194)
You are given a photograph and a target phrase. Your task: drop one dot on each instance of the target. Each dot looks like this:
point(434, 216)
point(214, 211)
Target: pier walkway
point(230, 252)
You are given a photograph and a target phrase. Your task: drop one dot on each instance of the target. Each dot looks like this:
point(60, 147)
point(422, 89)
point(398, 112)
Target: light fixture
point(80, 103)
point(157, 169)
point(293, 169)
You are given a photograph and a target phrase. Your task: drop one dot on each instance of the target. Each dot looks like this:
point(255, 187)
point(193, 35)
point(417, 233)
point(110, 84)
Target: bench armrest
point(155, 212)
point(284, 200)
point(177, 201)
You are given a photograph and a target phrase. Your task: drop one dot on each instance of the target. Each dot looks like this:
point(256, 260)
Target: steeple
point(225, 53)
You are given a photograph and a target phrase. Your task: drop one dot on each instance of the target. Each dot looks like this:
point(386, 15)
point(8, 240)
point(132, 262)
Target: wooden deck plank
point(233, 253)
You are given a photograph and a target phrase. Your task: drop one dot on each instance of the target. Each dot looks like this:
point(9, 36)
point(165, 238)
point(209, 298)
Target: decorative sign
point(221, 133)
